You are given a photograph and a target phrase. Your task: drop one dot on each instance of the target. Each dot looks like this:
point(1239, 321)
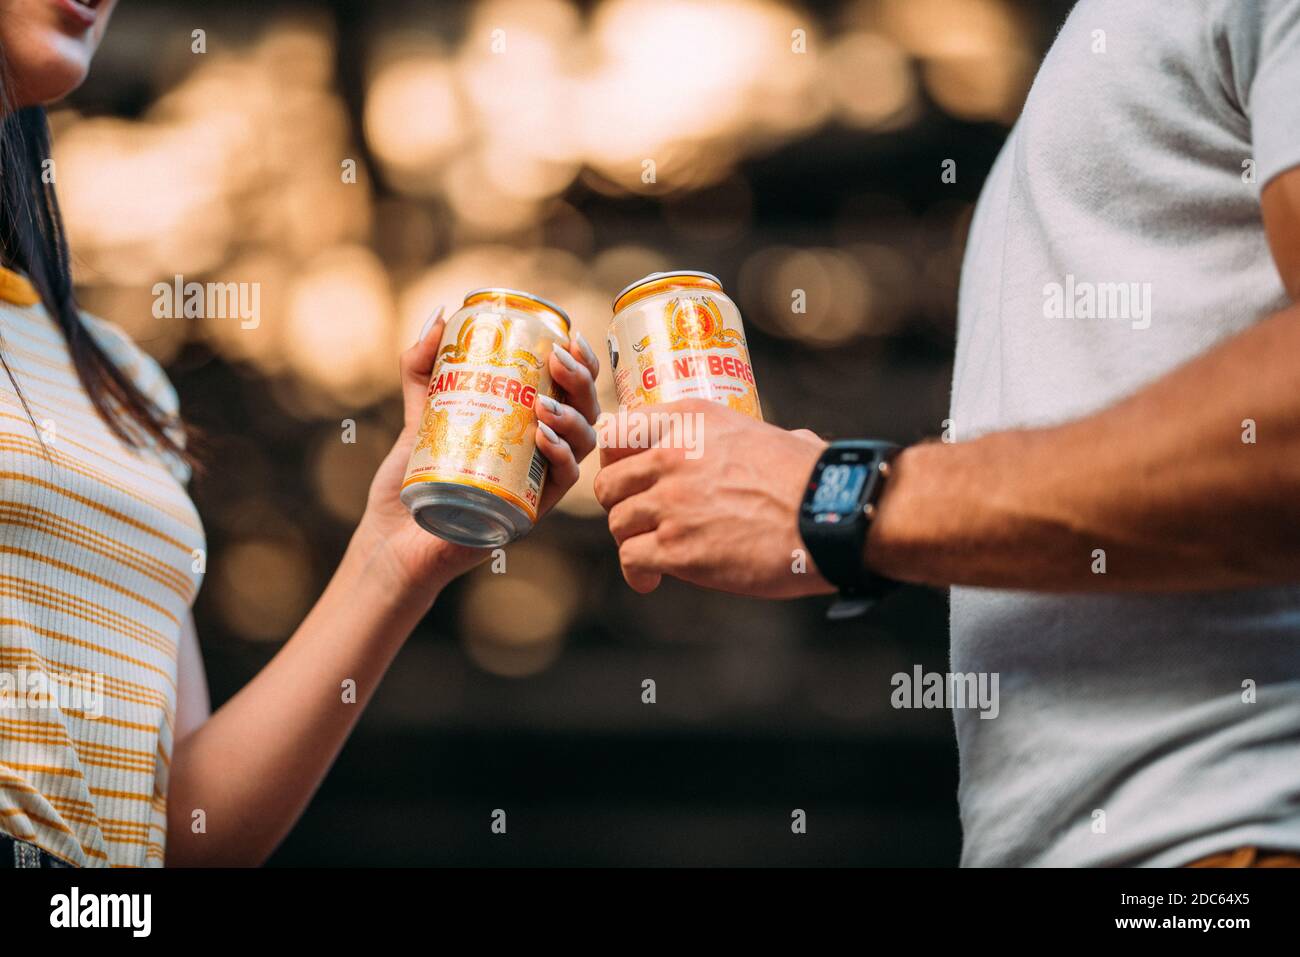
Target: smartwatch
point(836, 513)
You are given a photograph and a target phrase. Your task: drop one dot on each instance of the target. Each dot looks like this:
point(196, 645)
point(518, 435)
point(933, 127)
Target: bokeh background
point(794, 147)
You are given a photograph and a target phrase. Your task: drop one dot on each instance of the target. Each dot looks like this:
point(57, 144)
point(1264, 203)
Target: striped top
point(99, 547)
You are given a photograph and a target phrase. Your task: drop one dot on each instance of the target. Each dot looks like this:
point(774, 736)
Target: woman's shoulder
point(144, 371)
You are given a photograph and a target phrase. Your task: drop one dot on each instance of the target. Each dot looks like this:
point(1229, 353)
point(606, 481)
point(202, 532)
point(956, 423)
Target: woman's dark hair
point(32, 241)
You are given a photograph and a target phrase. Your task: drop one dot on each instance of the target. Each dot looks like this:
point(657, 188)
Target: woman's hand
point(422, 563)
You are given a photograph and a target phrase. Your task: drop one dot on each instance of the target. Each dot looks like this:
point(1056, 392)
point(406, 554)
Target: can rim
point(656, 276)
point(505, 290)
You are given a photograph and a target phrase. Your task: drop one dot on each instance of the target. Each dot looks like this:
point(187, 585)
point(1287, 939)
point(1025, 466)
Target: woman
point(98, 541)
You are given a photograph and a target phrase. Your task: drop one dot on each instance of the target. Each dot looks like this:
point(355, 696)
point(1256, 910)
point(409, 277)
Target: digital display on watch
point(839, 488)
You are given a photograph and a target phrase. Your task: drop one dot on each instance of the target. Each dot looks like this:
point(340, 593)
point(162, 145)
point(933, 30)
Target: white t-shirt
point(1119, 235)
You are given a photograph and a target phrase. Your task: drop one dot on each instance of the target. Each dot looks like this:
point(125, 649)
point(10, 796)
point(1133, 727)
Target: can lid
point(708, 277)
point(501, 292)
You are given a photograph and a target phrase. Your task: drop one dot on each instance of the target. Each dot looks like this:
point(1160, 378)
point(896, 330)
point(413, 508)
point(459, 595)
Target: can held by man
point(677, 335)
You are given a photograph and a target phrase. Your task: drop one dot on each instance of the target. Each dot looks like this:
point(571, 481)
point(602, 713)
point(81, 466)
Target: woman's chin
point(49, 85)
point(50, 73)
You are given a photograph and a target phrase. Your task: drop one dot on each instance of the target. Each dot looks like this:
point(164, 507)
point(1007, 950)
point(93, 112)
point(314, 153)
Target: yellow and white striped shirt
point(98, 551)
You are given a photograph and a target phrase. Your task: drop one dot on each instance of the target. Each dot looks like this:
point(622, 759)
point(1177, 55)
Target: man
point(1120, 518)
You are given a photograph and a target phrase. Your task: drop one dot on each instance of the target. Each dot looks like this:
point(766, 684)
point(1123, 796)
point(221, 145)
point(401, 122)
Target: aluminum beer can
point(475, 476)
point(677, 335)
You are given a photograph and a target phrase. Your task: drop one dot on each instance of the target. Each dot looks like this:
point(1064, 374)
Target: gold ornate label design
point(478, 426)
point(684, 349)
point(695, 322)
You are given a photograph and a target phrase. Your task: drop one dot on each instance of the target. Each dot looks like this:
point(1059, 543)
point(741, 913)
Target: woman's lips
point(82, 12)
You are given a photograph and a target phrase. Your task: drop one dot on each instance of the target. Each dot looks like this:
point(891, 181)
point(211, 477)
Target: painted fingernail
point(585, 346)
point(566, 359)
point(549, 404)
point(549, 432)
point(429, 324)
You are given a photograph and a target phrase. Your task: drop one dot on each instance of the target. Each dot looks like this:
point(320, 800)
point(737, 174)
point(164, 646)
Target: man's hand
point(726, 519)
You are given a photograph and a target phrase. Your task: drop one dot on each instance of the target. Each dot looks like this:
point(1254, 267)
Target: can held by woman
point(475, 475)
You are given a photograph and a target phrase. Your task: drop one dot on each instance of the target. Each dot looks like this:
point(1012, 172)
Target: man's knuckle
point(628, 557)
point(600, 488)
point(665, 459)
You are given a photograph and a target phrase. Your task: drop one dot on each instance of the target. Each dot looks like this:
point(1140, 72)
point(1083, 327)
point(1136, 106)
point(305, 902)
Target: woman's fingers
point(417, 366)
point(564, 427)
point(585, 353)
point(563, 466)
point(574, 368)
point(568, 423)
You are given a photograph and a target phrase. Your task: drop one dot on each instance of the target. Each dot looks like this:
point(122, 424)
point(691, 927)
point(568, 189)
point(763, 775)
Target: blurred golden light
point(979, 87)
point(533, 95)
point(516, 174)
point(552, 273)
point(444, 284)
point(945, 28)
point(518, 67)
point(298, 52)
point(871, 79)
point(263, 587)
point(316, 210)
point(667, 88)
point(525, 22)
point(791, 98)
point(478, 202)
point(615, 267)
point(831, 288)
point(652, 96)
point(341, 471)
point(978, 64)
point(514, 622)
point(339, 327)
point(413, 118)
point(262, 344)
point(140, 201)
point(226, 162)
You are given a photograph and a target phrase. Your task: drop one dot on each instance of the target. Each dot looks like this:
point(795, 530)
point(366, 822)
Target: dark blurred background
point(794, 147)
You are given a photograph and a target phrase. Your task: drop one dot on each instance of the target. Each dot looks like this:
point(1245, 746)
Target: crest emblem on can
point(695, 322)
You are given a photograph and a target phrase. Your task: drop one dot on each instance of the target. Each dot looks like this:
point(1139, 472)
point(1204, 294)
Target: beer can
point(677, 335)
point(475, 475)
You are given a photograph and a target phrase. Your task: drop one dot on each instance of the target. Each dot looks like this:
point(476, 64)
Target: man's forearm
point(1162, 483)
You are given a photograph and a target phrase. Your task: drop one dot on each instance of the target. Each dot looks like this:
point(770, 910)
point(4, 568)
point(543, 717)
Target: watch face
point(838, 490)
